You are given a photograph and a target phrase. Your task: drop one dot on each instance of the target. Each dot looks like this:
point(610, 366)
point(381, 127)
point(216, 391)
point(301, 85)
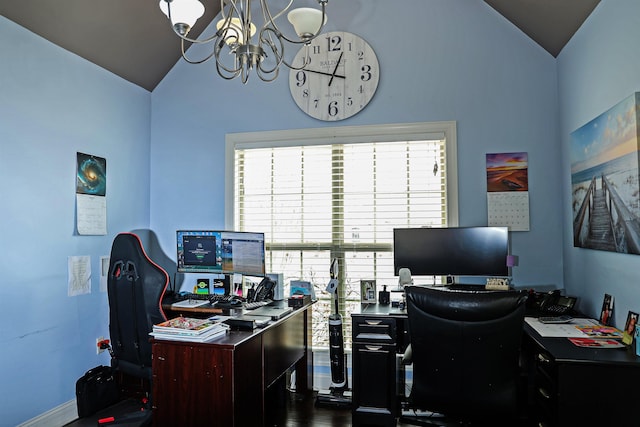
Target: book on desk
point(188, 329)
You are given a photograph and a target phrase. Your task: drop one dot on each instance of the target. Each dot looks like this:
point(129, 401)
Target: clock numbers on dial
point(340, 78)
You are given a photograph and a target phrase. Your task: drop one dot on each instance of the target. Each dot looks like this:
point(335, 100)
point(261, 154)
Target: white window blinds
point(318, 201)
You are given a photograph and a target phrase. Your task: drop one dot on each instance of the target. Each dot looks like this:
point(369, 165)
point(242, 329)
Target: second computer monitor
point(224, 252)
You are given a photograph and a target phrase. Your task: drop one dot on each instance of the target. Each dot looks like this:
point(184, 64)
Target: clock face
point(340, 78)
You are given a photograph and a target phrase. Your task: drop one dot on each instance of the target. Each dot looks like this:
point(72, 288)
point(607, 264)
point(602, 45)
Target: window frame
point(345, 135)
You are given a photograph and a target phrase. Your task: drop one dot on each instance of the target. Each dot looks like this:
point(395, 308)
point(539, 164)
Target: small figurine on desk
point(384, 296)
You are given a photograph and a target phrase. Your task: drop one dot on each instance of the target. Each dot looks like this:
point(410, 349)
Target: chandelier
point(233, 45)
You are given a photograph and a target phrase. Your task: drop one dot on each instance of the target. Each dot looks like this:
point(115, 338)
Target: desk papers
point(563, 330)
point(596, 343)
point(190, 303)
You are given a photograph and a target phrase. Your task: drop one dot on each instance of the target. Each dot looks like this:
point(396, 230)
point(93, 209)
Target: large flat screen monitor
point(223, 252)
point(459, 251)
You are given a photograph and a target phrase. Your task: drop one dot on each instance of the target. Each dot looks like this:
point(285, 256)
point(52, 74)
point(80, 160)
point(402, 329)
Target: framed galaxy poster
point(92, 175)
point(604, 180)
point(91, 191)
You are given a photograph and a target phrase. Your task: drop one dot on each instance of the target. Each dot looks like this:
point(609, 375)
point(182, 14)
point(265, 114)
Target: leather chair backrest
point(135, 288)
point(465, 348)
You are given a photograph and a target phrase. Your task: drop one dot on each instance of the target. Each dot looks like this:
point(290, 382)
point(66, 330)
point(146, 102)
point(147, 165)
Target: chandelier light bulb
point(183, 13)
point(306, 21)
point(234, 33)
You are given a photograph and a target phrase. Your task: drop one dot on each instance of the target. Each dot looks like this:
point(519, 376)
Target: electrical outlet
point(98, 341)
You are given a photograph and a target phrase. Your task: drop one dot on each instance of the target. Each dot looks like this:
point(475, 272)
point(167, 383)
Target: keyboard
point(217, 297)
point(228, 301)
point(256, 304)
point(190, 303)
point(183, 296)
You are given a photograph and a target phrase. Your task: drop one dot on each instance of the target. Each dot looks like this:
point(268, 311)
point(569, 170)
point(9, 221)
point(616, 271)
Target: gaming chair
point(135, 287)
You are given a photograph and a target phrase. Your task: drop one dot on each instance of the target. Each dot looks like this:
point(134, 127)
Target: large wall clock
point(340, 78)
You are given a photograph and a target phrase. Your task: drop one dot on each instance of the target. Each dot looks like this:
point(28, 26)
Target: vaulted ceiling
point(132, 38)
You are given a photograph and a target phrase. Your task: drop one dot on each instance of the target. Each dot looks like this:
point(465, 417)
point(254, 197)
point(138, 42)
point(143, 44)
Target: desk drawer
point(545, 388)
point(374, 400)
point(374, 329)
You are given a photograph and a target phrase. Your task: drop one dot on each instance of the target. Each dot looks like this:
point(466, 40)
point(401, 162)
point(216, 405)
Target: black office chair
point(465, 353)
point(135, 288)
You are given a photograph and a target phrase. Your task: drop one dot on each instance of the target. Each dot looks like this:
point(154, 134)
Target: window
point(338, 193)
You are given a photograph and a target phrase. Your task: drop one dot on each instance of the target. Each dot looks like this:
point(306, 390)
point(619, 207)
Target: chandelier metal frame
point(235, 33)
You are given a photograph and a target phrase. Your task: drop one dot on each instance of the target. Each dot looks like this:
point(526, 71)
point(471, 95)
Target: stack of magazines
point(189, 329)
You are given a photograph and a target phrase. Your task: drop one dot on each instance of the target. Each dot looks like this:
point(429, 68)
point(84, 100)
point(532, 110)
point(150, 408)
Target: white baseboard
point(58, 416)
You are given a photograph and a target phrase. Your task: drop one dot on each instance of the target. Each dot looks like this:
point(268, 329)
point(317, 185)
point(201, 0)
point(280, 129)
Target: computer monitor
point(222, 252)
point(455, 251)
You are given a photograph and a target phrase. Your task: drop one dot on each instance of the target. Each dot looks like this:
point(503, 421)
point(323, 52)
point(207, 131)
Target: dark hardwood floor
point(301, 411)
point(297, 411)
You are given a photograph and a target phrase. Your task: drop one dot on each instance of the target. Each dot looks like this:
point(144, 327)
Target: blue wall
point(597, 69)
point(52, 105)
point(461, 61)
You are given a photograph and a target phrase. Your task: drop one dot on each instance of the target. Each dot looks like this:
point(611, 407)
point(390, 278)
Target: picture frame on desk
point(368, 291)
point(607, 310)
point(630, 328)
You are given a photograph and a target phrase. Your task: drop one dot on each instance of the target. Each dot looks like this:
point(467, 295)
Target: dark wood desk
point(567, 385)
point(231, 381)
point(577, 386)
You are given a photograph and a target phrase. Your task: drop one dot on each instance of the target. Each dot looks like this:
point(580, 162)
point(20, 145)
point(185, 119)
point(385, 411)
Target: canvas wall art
point(604, 180)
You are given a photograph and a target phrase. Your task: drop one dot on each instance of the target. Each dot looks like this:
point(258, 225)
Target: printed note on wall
point(79, 271)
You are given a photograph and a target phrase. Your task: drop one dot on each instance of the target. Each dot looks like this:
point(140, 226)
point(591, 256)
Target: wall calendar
point(508, 191)
point(508, 210)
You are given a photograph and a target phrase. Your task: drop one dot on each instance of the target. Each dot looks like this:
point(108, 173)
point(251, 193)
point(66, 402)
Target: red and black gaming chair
point(135, 288)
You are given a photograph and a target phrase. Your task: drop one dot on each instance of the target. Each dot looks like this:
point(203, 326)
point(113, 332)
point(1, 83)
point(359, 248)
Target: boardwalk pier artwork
point(605, 176)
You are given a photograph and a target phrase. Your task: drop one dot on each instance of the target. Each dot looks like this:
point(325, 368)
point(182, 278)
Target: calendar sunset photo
point(507, 172)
